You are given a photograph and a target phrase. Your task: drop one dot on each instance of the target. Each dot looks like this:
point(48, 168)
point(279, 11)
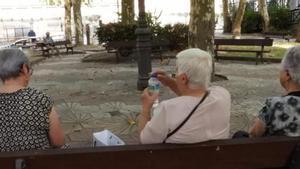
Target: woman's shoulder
point(289, 100)
point(218, 89)
point(36, 92)
point(178, 101)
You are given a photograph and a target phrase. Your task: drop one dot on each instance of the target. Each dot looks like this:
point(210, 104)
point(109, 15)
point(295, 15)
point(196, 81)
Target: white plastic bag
point(106, 138)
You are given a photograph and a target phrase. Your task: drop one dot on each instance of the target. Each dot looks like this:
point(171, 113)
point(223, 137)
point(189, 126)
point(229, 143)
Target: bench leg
point(216, 55)
point(257, 57)
point(117, 57)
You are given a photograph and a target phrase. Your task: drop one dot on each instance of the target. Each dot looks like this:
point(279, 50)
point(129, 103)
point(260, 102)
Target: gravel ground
point(92, 96)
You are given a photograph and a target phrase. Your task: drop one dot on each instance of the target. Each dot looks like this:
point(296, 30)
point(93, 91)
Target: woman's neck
point(194, 92)
point(292, 87)
point(12, 85)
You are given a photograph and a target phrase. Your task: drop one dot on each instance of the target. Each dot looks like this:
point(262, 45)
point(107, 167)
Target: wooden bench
point(283, 35)
point(125, 48)
point(42, 47)
point(228, 43)
point(271, 153)
point(61, 44)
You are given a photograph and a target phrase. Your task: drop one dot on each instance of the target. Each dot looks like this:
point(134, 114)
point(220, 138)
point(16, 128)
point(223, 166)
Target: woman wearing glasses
point(27, 117)
point(199, 113)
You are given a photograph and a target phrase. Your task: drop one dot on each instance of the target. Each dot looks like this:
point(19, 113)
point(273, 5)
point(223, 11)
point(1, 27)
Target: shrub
point(116, 31)
point(279, 17)
point(177, 35)
point(252, 22)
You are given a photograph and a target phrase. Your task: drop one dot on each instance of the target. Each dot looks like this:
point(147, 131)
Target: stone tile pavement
point(92, 96)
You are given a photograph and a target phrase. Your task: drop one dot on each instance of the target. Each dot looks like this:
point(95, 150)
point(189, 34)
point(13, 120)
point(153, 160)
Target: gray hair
point(197, 65)
point(11, 61)
point(291, 62)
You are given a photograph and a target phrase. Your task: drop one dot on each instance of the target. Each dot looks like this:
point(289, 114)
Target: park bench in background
point(227, 46)
point(60, 44)
point(283, 35)
point(259, 153)
point(125, 48)
point(42, 47)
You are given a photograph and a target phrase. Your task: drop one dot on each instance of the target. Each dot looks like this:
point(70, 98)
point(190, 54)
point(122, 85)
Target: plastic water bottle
point(154, 87)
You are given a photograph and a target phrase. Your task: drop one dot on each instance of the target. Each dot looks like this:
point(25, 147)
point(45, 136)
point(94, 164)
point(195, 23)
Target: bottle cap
point(153, 75)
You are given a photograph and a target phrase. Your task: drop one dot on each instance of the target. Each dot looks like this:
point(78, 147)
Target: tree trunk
point(127, 11)
point(226, 17)
point(78, 22)
point(68, 17)
point(298, 33)
point(263, 9)
point(202, 25)
point(236, 27)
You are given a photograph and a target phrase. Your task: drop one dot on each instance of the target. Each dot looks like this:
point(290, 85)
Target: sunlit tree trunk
point(236, 27)
point(78, 22)
point(68, 18)
point(202, 25)
point(127, 11)
point(263, 9)
point(226, 17)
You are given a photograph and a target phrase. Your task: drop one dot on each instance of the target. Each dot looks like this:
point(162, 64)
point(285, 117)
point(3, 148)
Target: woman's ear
point(287, 75)
point(25, 69)
point(185, 79)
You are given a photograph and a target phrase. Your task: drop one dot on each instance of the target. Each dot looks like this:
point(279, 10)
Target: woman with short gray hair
point(199, 113)
point(281, 115)
point(27, 117)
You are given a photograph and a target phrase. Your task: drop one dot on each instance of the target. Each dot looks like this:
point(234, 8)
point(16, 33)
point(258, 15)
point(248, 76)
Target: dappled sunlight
point(285, 45)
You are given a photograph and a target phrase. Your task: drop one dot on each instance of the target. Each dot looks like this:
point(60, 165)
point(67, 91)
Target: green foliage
point(177, 34)
point(279, 17)
point(116, 31)
point(252, 22)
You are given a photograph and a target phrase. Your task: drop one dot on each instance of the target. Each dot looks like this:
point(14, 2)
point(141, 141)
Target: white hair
point(11, 61)
point(291, 62)
point(197, 65)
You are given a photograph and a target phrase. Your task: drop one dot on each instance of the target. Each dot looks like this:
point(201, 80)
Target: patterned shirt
point(282, 115)
point(24, 120)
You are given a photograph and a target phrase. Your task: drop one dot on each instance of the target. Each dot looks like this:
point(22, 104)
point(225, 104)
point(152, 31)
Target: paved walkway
point(101, 95)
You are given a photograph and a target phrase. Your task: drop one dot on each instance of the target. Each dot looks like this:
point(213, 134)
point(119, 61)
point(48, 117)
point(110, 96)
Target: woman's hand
point(168, 81)
point(164, 78)
point(148, 99)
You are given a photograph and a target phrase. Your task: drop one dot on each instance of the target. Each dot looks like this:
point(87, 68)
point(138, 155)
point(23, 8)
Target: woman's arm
point(147, 102)
point(167, 81)
point(56, 133)
point(258, 129)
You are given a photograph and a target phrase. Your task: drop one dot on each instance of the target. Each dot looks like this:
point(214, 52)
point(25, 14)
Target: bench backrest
point(60, 43)
point(221, 154)
point(243, 42)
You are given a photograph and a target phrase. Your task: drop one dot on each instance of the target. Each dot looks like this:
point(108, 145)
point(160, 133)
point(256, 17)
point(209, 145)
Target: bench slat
point(244, 42)
point(236, 50)
point(222, 154)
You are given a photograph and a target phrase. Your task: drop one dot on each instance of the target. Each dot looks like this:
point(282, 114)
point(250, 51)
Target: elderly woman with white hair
point(281, 115)
point(199, 113)
point(27, 117)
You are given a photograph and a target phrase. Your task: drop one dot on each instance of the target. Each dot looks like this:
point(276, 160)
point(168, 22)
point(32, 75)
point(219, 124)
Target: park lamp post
point(143, 46)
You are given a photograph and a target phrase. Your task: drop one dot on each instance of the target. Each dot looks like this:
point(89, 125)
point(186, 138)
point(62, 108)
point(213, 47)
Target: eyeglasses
point(173, 75)
point(30, 71)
